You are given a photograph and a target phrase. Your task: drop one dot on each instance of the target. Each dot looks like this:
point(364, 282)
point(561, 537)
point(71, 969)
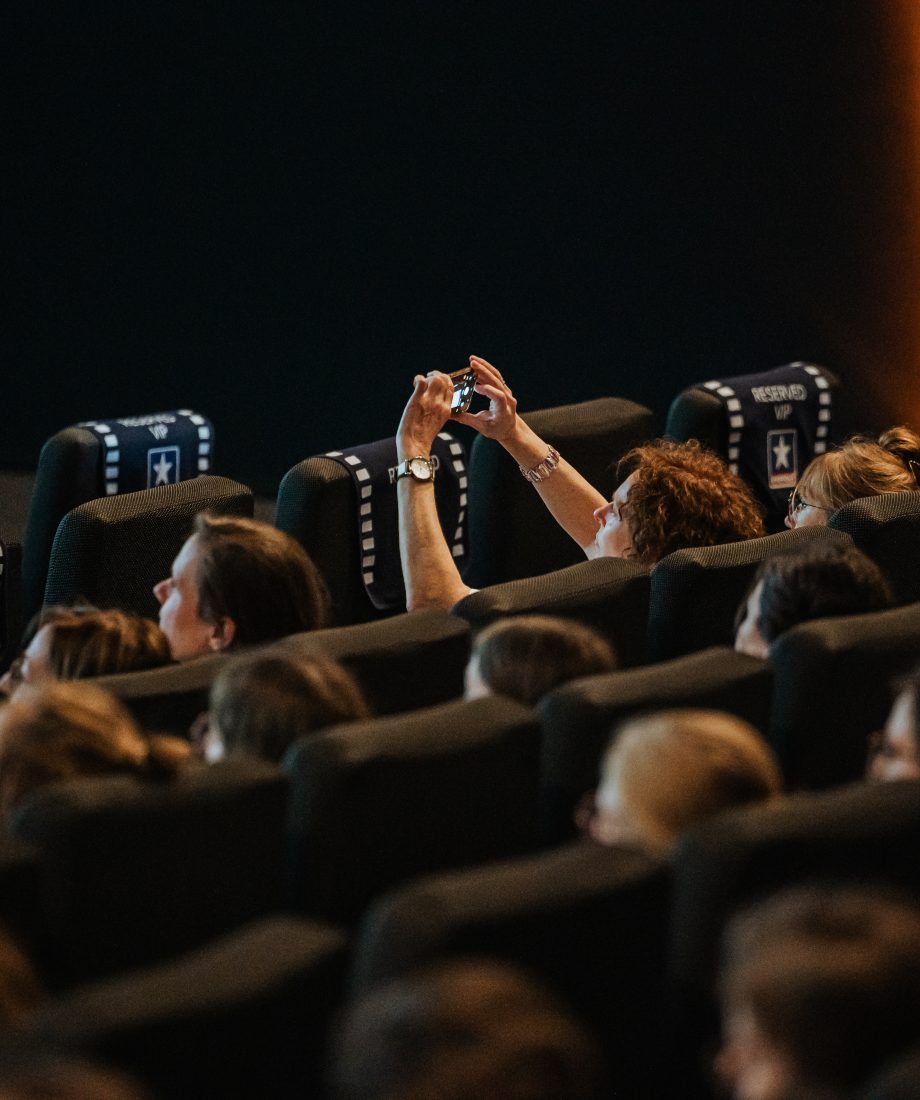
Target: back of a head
point(463, 1031)
point(527, 656)
point(262, 703)
point(64, 729)
point(831, 978)
point(683, 495)
point(669, 770)
point(101, 643)
point(259, 577)
point(862, 467)
point(818, 583)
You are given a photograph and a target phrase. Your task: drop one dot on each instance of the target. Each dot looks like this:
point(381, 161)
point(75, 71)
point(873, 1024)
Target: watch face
point(420, 468)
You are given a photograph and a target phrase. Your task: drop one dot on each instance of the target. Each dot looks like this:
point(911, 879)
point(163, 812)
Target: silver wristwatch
point(421, 468)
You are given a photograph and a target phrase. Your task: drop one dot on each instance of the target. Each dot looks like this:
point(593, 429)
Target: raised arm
point(429, 570)
point(570, 498)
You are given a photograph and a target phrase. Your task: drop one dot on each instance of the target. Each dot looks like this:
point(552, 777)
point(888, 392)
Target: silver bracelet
point(543, 469)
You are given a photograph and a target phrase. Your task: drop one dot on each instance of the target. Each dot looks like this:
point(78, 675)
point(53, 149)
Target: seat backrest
point(589, 922)
point(887, 528)
point(246, 1015)
point(11, 620)
point(768, 426)
point(113, 550)
point(609, 594)
point(695, 593)
point(98, 459)
point(352, 533)
point(577, 719)
point(133, 872)
point(832, 688)
point(375, 803)
point(512, 535)
point(407, 661)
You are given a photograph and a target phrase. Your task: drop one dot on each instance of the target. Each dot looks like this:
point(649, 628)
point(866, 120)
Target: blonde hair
point(676, 767)
point(100, 643)
point(64, 729)
point(862, 467)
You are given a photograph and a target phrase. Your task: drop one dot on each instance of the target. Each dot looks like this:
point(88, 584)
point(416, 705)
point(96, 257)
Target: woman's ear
point(223, 633)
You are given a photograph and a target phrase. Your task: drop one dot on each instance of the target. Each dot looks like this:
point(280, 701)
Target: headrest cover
point(778, 421)
point(373, 470)
point(141, 452)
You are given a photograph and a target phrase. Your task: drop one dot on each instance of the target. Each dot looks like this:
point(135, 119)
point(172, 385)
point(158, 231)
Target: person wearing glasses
point(861, 467)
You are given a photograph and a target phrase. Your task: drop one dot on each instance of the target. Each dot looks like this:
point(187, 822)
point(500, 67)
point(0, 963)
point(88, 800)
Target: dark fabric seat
point(695, 593)
point(832, 689)
point(742, 418)
point(113, 550)
point(20, 897)
point(87, 461)
point(133, 873)
point(11, 620)
point(577, 719)
point(590, 922)
point(375, 803)
point(512, 535)
point(246, 1015)
point(900, 1081)
point(610, 594)
point(887, 528)
point(404, 662)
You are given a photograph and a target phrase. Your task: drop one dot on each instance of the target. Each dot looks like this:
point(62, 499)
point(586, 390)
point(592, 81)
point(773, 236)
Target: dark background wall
point(279, 212)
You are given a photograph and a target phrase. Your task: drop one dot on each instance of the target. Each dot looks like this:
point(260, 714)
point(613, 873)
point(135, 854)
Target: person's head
point(527, 656)
point(61, 729)
point(860, 467)
point(664, 772)
point(260, 704)
point(820, 987)
point(672, 496)
point(463, 1030)
point(896, 751)
point(817, 583)
point(237, 582)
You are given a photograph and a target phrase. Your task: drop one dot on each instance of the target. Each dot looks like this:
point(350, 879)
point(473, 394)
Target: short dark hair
point(818, 583)
point(259, 577)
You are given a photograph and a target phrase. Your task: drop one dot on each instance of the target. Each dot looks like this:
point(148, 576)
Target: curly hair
point(684, 495)
point(818, 583)
point(862, 467)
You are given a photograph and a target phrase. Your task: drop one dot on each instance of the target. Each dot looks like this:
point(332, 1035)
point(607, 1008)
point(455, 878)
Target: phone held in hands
point(464, 382)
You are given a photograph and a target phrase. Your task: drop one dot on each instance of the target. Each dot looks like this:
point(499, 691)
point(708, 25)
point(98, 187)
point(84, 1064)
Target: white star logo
point(162, 470)
point(780, 453)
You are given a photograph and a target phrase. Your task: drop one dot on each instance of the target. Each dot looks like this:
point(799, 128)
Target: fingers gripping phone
point(464, 382)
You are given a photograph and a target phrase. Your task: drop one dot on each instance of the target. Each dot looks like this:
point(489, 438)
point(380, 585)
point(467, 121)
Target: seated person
point(817, 583)
point(670, 496)
point(64, 729)
point(895, 752)
point(260, 704)
point(236, 582)
point(860, 467)
point(526, 656)
point(820, 989)
point(75, 643)
point(666, 771)
point(463, 1030)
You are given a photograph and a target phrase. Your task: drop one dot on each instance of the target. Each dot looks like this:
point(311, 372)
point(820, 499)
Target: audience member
point(895, 751)
point(61, 730)
point(817, 583)
point(820, 989)
point(75, 643)
point(526, 656)
point(260, 704)
point(861, 467)
point(464, 1030)
point(671, 495)
point(236, 582)
point(664, 772)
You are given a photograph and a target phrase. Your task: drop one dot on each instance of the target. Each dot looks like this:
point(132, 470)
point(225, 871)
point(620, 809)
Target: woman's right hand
point(500, 420)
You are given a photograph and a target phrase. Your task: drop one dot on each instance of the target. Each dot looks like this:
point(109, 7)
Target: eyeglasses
point(796, 504)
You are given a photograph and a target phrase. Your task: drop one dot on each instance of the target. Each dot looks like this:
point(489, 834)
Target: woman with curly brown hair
point(671, 495)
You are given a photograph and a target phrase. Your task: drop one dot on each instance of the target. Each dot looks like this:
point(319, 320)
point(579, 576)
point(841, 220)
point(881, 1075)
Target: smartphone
point(464, 381)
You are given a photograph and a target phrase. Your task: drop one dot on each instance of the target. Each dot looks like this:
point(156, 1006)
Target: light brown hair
point(101, 643)
point(862, 467)
point(683, 495)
